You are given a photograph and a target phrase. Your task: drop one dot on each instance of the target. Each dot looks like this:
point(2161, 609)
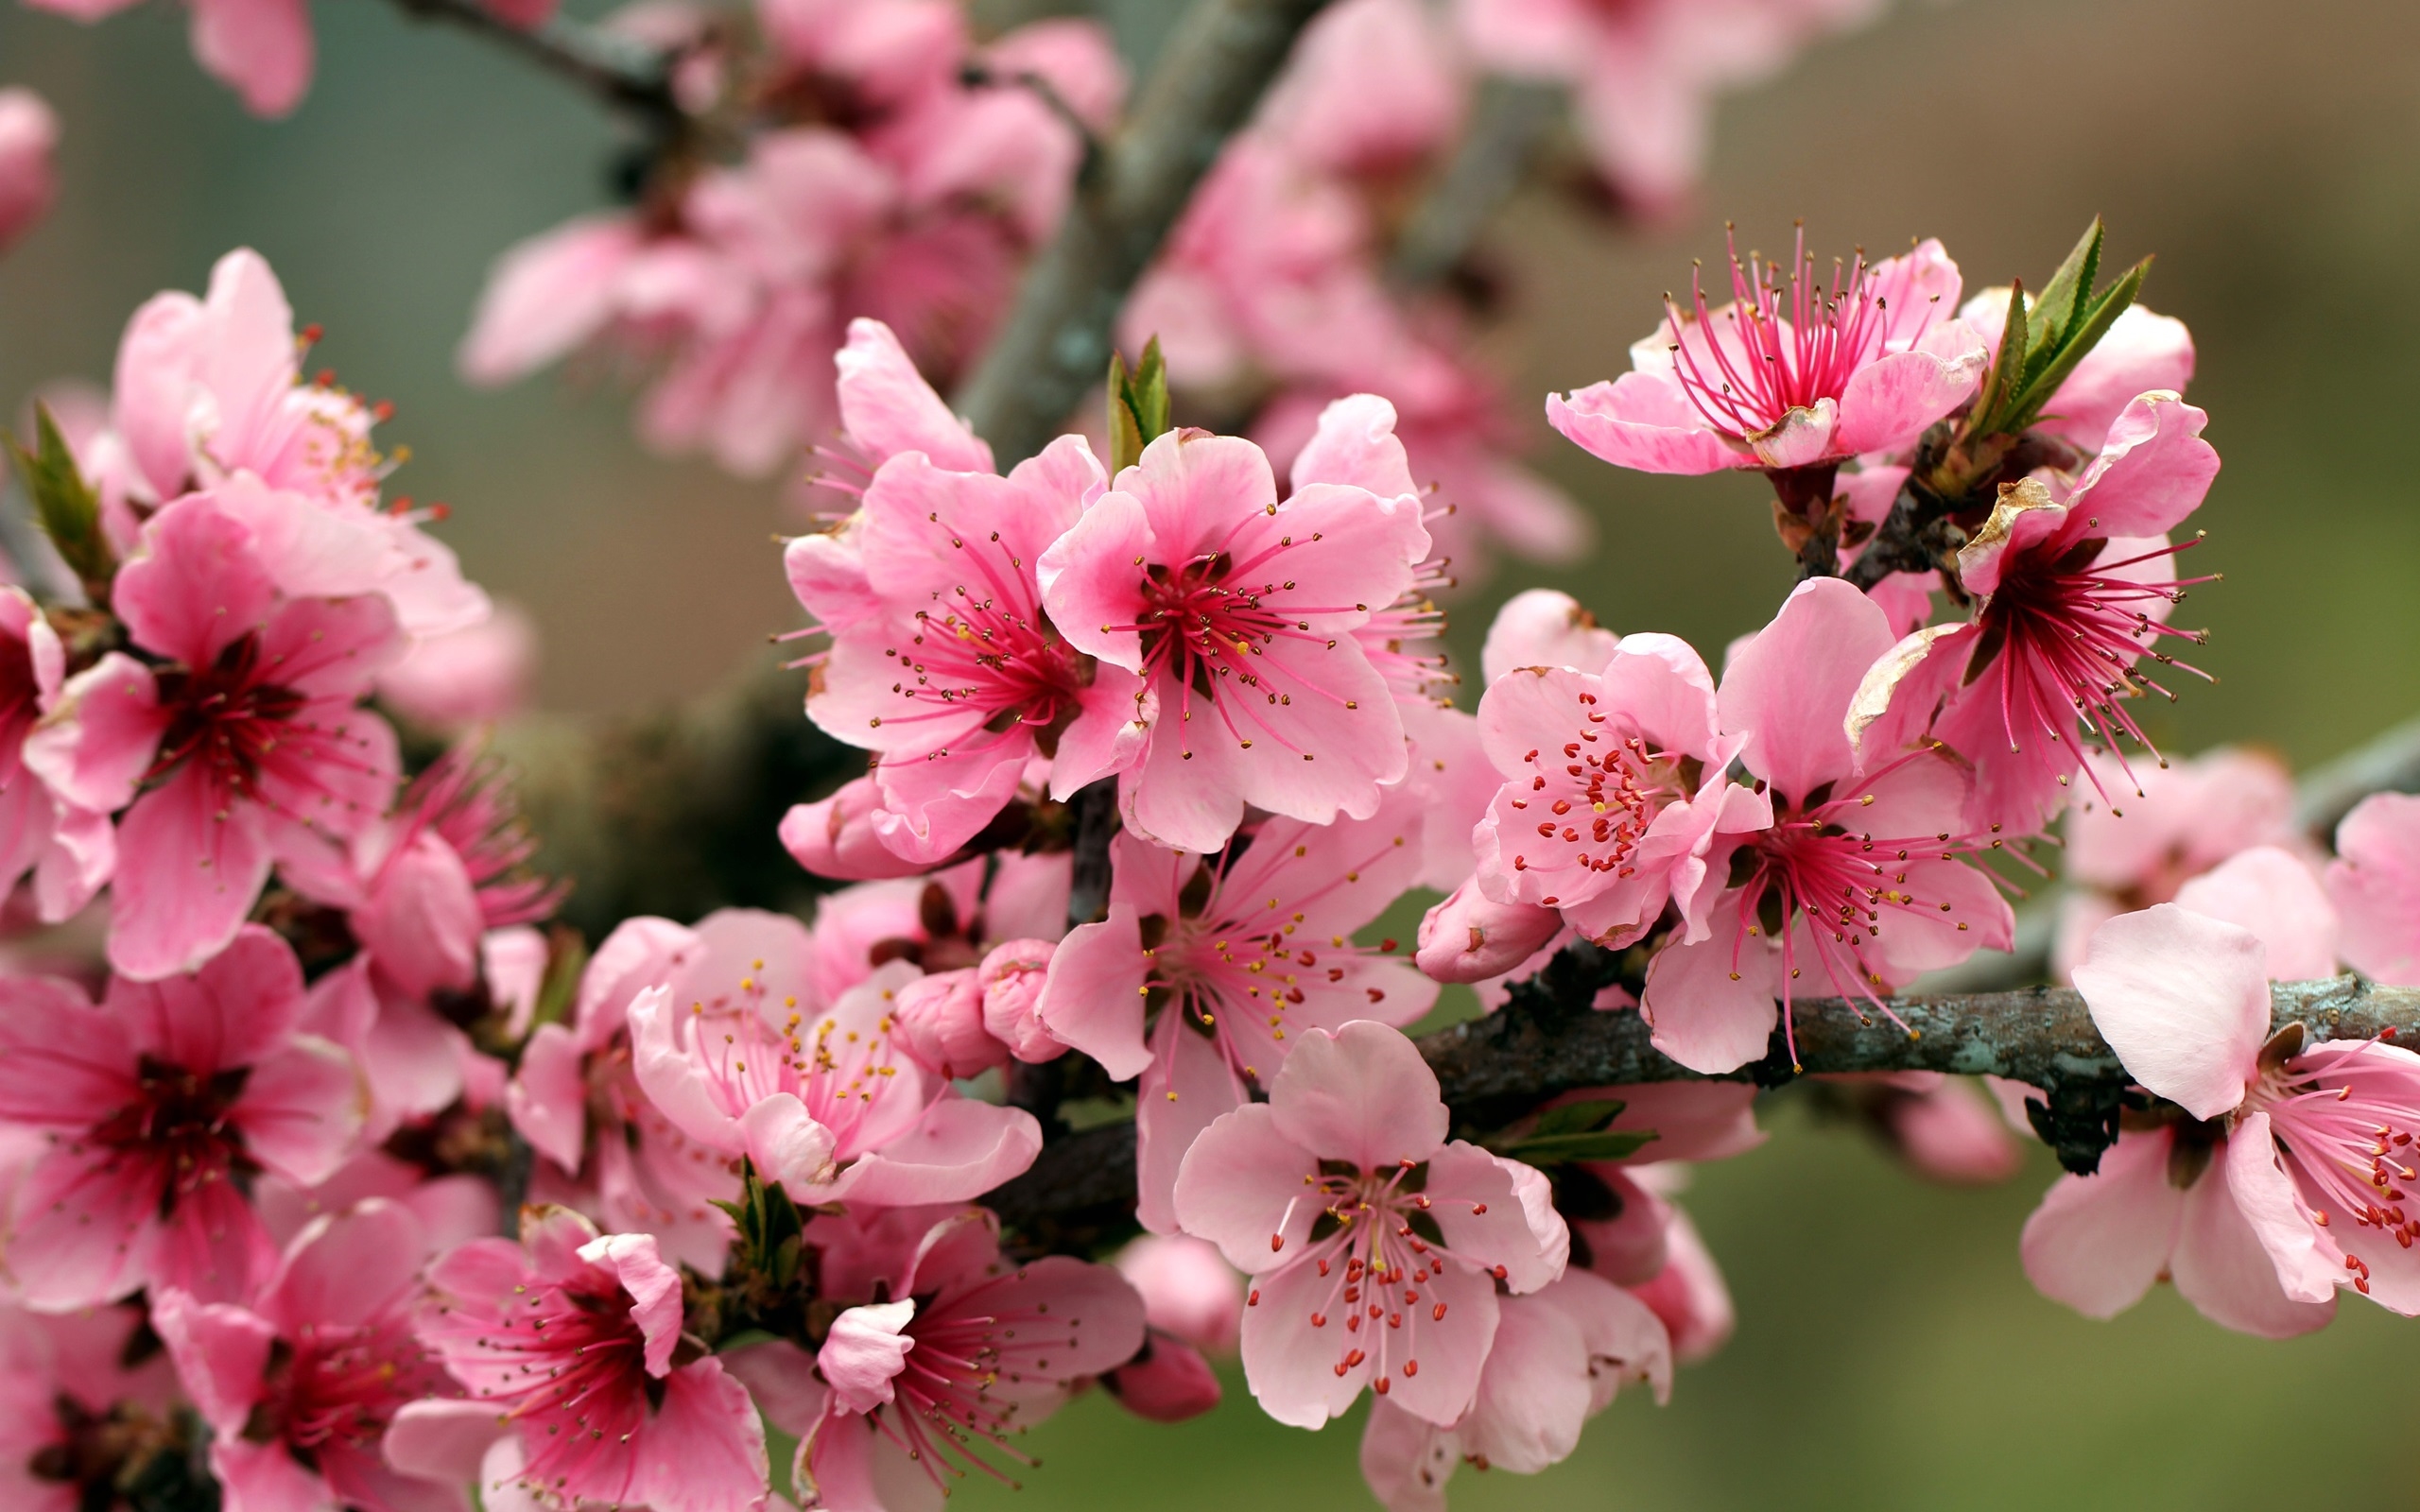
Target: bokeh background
point(1889, 1353)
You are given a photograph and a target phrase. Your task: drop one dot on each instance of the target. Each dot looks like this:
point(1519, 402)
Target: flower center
point(181, 1126)
point(949, 1414)
point(2346, 1124)
point(1592, 801)
point(225, 716)
point(343, 1385)
point(1790, 343)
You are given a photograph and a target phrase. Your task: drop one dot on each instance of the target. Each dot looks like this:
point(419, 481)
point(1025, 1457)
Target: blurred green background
point(1889, 1352)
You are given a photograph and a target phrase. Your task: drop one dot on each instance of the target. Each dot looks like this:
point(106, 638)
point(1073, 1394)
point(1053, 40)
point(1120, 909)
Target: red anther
point(324, 378)
point(1381, 1387)
point(1437, 1314)
point(1386, 945)
point(1322, 1267)
point(1319, 1320)
point(1412, 1367)
point(1352, 1294)
point(312, 333)
point(1352, 1324)
point(1410, 1298)
point(383, 411)
point(1408, 1165)
point(1498, 1272)
point(1375, 1311)
point(1277, 1242)
point(1354, 1358)
point(1253, 1300)
point(441, 511)
point(1477, 1207)
point(2361, 1286)
point(1395, 1320)
point(1420, 1200)
point(1341, 1367)
point(1419, 1276)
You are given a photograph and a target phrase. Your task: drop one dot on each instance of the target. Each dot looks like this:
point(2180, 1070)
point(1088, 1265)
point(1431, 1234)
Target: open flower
point(1237, 610)
point(567, 1341)
point(2278, 1177)
point(299, 1384)
point(1206, 971)
point(159, 1103)
point(1374, 1246)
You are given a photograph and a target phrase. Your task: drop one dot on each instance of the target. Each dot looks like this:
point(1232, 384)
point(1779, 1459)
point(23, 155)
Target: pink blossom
point(933, 1385)
point(70, 850)
point(571, 1338)
point(1187, 1290)
point(1544, 627)
point(2181, 818)
point(68, 1393)
point(940, 924)
point(1811, 894)
point(478, 675)
point(29, 135)
point(1688, 1294)
point(1206, 971)
point(240, 744)
point(1239, 622)
point(1353, 1133)
point(1472, 937)
point(1372, 88)
point(2140, 352)
point(1559, 1357)
point(450, 1209)
point(1943, 1127)
point(2376, 885)
point(2278, 897)
point(1790, 376)
point(154, 1101)
point(2272, 1184)
point(299, 1384)
point(1168, 1381)
point(961, 1023)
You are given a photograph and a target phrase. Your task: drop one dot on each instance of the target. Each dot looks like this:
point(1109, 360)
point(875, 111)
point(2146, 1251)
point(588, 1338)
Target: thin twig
point(1505, 126)
point(617, 70)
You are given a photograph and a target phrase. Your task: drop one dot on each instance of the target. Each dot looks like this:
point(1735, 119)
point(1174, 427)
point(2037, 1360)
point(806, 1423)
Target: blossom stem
point(624, 73)
point(1507, 124)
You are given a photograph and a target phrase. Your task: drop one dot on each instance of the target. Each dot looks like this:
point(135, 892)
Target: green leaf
point(566, 958)
point(1138, 405)
point(64, 504)
point(2001, 382)
point(1576, 1118)
point(2089, 328)
point(2068, 291)
point(1604, 1145)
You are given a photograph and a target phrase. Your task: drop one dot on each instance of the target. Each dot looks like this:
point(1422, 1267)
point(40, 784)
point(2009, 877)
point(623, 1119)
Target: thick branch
point(622, 73)
point(1057, 340)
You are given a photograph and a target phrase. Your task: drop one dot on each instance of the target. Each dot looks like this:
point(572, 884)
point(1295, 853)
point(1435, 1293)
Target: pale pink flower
point(958, 1024)
point(2277, 896)
point(835, 836)
point(29, 135)
point(1207, 972)
point(2180, 819)
point(569, 1338)
point(1559, 1357)
point(1187, 1290)
point(2376, 885)
point(263, 52)
point(1647, 73)
point(2278, 1179)
point(1400, 1294)
point(2140, 352)
point(478, 675)
point(1239, 619)
point(300, 1383)
point(154, 1101)
point(940, 924)
point(240, 744)
point(70, 850)
point(1372, 88)
point(1544, 627)
point(1856, 880)
point(1472, 937)
point(1944, 1127)
point(1792, 375)
point(935, 1384)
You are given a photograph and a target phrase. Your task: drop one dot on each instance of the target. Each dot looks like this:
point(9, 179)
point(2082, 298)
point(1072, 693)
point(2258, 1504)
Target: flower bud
point(835, 838)
point(1167, 1382)
point(1952, 1133)
point(1541, 628)
point(28, 132)
point(422, 924)
point(1011, 983)
point(1470, 936)
point(940, 1022)
point(1188, 1290)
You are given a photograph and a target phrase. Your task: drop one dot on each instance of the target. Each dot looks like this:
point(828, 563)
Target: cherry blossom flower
point(300, 1385)
point(1168, 1381)
point(156, 1101)
point(1561, 1356)
point(2278, 895)
point(1207, 972)
point(2376, 885)
point(1237, 610)
point(1857, 876)
point(1372, 88)
point(29, 135)
point(240, 744)
point(1472, 937)
point(71, 851)
point(569, 1339)
point(1943, 1127)
point(1793, 377)
point(1544, 627)
point(932, 1385)
point(1374, 1246)
point(2275, 1180)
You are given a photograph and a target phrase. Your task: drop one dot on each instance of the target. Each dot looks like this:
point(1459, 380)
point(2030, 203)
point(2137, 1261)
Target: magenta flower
point(1373, 1245)
point(571, 1340)
point(29, 135)
point(1206, 971)
point(1792, 374)
point(2283, 1179)
point(240, 744)
point(970, 1350)
point(1857, 877)
point(159, 1103)
point(299, 1384)
point(1238, 611)
point(2375, 883)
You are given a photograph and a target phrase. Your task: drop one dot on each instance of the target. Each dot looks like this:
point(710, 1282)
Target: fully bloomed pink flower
point(29, 134)
point(968, 1352)
point(2375, 883)
point(1792, 375)
point(299, 1384)
point(1238, 611)
point(2283, 1178)
point(1646, 72)
point(239, 742)
point(2074, 587)
point(1857, 880)
point(1207, 972)
point(157, 1102)
point(568, 1338)
point(1374, 1245)
point(1559, 1357)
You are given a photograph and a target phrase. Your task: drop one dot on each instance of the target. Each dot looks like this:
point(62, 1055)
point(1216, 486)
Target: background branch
point(1056, 342)
point(1507, 123)
point(620, 72)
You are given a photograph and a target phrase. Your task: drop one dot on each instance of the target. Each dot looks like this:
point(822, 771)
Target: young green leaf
point(65, 505)
point(2090, 327)
point(1576, 1118)
point(1604, 1145)
point(2070, 291)
point(1138, 405)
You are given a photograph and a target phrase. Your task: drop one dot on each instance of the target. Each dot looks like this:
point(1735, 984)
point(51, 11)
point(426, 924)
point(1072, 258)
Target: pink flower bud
point(28, 132)
point(1187, 1290)
point(939, 1020)
point(1011, 983)
point(835, 838)
point(473, 676)
point(1470, 937)
point(1167, 1382)
point(421, 923)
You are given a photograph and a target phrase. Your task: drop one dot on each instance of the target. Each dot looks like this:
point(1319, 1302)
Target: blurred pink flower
point(478, 675)
point(29, 135)
point(2376, 885)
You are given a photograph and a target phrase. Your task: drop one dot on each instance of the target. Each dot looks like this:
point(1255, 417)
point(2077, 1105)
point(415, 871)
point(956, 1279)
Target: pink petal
point(2098, 1242)
point(888, 408)
point(238, 1009)
point(65, 1064)
point(2153, 470)
point(2271, 892)
point(1643, 420)
point(421, 922)
point(864, 1352)
point(195, 585)
point(1187, 1087)
point(1789, 688)
point(2221, 1265)
point(347, 1268)
point(2376, 885)
point(261, 48)
point(545, 297)
point(654, 1289)
point(265, 1478)
point(1092, 996)
point(786, 1144)
point(1712, 1004)
point(100, 739)
point(1241, 1186)
point(2140, 352)
point(837, 837)
point(2308, 1267)
point(1496, 1211)
point(1356, 445)
point(440, 1439)
point(703, 1449)
point(1407, 1462)
point(220, 1352)
point(959, 1150)
point(1085, 579)
point(548, 1099)
point(1362, 1094)
point(1543, 626)
point(1469, 938)
point(2183, 1000)
point(1889, 401)
point(302, 1109)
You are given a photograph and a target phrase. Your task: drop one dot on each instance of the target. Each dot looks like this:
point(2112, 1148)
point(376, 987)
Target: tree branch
point(622, 73)
point(1505, 127)
point(1056, 343)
